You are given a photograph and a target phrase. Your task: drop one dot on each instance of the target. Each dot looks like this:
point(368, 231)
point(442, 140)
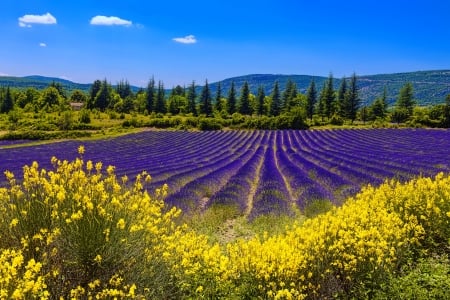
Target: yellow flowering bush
point(347, 252)
point(85, 226)
point(79, 232)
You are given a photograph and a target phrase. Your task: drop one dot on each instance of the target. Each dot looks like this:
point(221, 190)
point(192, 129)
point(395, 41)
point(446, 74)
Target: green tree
point(160, 104)
point(378, 108)
point(288, 96)
point(103, 97)
point(60, 88)
point(218, 103)
point(275, 105)
point(405, 98)
point(150, 96)
point(231, 99)
point(321, 105)
point(93, 91)
point(78, 97)
point(328, 97)
point(206, 100)
point(7, 103)
point(340, 100)
point(123, 88)
point(50, 97)
point(244, 100)
point(191, 97)
point(260, 97)
point(311, 99)
point(352, 100)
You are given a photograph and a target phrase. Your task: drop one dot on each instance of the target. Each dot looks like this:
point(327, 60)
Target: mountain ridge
point(430, 87)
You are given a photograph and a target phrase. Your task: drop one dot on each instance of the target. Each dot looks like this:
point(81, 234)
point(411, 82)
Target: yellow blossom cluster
point(79, 232)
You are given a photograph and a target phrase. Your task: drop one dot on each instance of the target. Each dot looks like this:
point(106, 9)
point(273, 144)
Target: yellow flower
point(98, 258)
point(81, 149)
point(121, 223)
point(13, 223)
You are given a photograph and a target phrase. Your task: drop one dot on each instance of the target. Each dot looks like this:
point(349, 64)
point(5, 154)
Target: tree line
point(315, 107)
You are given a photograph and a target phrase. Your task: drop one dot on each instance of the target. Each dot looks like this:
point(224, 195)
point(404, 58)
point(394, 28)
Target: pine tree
point(244, 100)
point(340, 100)
point(260, 100)
point(321, 105)
point(191, 97)
point(352, 99)
point(150, 96)
point(8, 103)
point(205, 101)
point(123, 89)
point(328, 97)
point(275, 105)
point(231, 99)
point(160, 105)
point(405, 98)
point(218, 104)
point(288, 96)
point(311, 99)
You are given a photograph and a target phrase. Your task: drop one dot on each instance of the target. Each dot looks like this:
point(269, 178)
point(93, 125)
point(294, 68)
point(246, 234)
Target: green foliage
point(206, 101)
point(275, 101)
point(426, 279)
point(209, 124)
point(65, 121)
point(405, 100)
point(231, 100)
point(244, 100)
point(84, 116)
point(352, 101)
point(317, 207)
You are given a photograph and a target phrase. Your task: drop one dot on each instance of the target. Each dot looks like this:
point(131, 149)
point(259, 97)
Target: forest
point(55, 109)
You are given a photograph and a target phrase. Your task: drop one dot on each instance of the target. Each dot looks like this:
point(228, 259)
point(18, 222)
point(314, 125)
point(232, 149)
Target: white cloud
point(27, 20)
point(109, 21)
point(189, 39)
point(42, 44)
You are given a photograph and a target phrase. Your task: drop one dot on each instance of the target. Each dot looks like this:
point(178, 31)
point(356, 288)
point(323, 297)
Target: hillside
point(430, 87)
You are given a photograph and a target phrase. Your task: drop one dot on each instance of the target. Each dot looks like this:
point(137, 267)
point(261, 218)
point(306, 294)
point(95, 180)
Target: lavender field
point(259, 171)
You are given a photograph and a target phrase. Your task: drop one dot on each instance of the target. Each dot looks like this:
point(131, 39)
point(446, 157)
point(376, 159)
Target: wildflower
point(81, 149)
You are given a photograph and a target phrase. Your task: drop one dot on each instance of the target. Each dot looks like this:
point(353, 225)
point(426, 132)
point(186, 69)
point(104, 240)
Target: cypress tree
point(231, 99)
point(275, 105)
point(150, 96)
point(322, 106)
point(191, 96)
point(160, 105)
point(289, 95)
point(260, 100)
point(340, 101)
point(205, 101)
point(311, 99)
point(244, 100)
point(405, 98)
point(329, 97)
point(218, 104)
point(352, 100)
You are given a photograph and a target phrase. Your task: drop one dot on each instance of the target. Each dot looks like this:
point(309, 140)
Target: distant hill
point(41, 82)
point(430, 87)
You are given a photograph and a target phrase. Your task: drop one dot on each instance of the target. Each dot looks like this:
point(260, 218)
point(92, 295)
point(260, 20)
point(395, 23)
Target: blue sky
point(181, 41)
